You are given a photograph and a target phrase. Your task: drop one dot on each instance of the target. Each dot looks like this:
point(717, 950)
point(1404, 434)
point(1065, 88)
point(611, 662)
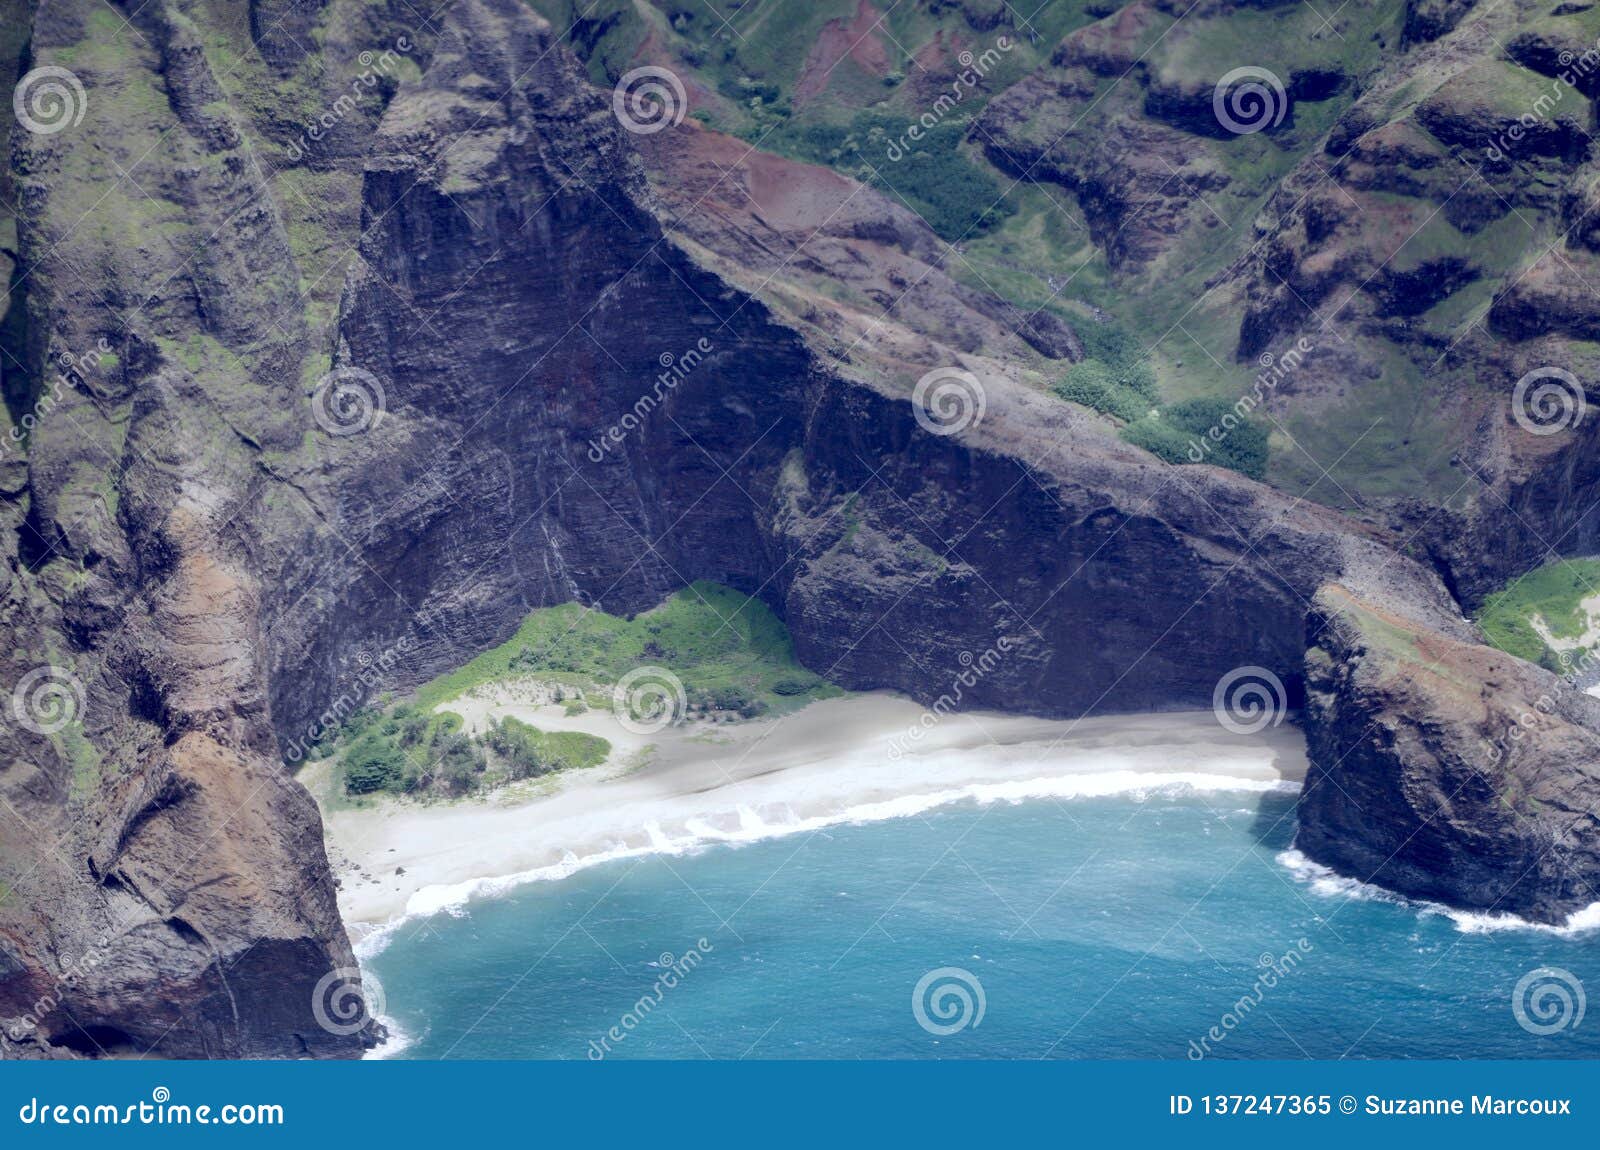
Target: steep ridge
point(1447, 770)
point(277, 496)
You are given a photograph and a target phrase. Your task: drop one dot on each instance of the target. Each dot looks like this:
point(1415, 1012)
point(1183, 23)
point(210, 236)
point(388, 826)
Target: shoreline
point(1325, 882)
point(845, 760)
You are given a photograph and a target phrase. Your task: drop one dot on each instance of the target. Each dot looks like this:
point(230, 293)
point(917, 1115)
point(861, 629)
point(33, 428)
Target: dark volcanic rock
point(216, 568)
point(1446, 770)
point(1427, 20)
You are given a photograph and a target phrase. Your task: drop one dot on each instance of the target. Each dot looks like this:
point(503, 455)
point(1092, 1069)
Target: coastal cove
point(1115, 887)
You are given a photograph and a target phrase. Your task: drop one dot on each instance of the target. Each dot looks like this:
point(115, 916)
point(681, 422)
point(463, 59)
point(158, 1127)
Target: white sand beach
point(841, 760)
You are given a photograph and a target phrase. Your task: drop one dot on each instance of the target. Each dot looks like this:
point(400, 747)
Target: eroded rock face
point(1446, 770)
point(888, 549)
point(217, 562)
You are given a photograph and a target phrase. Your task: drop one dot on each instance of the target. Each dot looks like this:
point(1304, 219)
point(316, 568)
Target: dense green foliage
point(405, 752)
point(933, 176)
point(1115, 376)
point(528, 752)
point(1554, 594)
point(730, 651)
point(1127, 391)
point(1183, 433)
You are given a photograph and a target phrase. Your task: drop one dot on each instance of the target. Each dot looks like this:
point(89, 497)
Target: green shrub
point(373, 764)
point(795, 686)
point(528, 752)
point(1105, 388)
point(1182, 433)
point(933, 175)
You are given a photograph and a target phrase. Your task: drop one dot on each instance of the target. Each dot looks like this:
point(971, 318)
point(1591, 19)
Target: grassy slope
point(726, 648)
point(1033, 246)
point(713, 638)
point(1553, 593)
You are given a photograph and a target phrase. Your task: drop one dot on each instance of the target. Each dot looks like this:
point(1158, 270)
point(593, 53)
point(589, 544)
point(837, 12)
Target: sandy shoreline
point(840, 760)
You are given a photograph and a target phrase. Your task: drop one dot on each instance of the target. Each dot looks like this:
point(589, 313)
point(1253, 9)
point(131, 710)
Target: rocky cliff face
point(373, 391)
point(1445, 769)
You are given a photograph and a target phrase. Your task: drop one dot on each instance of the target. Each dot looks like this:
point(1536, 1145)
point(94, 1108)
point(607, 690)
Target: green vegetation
point(1117, 379)
point(1553, 594)
point(934, 176)
point(1125, 391)
point(729, 650)
point(1115, 376)
point(408, 752)
point(772, 89)
point(1203, 431)
point(733, 656)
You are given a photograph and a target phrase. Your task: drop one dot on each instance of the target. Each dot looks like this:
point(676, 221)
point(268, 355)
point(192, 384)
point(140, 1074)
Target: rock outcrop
point(375, 385)
point(1447, 770)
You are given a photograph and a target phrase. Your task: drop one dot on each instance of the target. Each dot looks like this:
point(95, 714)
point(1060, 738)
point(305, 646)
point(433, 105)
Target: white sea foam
point(397, 1041)
point(827, 765)
point(749, 825)
point(1330, 884)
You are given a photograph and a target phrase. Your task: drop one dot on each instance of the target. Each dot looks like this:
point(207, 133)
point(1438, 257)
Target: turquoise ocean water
point(1129, 927)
